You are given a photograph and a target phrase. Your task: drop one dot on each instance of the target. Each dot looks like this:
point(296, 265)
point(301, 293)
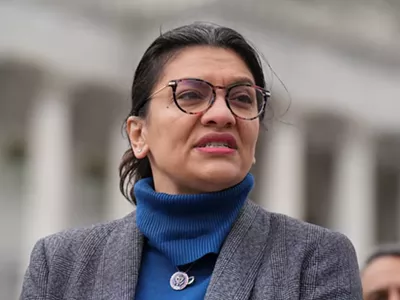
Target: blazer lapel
point(120, 264)
point(240, 257)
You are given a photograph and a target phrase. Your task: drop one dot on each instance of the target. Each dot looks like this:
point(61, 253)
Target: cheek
point(249, 133)
point(169, 131)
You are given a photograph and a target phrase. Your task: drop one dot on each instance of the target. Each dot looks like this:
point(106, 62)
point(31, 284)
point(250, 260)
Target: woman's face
point(174, 141)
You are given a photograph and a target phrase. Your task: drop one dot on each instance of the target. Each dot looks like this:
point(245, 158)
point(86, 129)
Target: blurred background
point(65, 73)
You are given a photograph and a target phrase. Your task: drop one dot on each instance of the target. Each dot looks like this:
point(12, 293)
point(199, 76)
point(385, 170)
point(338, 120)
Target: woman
point(198, 98)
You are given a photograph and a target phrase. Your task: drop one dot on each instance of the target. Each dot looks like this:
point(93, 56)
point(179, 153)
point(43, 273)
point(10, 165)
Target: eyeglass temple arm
point(171, 83)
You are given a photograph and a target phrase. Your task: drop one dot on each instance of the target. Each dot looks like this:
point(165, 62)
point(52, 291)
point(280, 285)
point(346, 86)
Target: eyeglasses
point(195, 96)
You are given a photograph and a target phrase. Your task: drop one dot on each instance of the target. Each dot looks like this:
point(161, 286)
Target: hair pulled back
point(150, 68)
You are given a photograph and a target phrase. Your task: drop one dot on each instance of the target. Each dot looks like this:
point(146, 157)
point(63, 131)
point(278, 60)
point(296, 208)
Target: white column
point(46, 204)
point(116, 205)
point(284, 169)
point(353, 211)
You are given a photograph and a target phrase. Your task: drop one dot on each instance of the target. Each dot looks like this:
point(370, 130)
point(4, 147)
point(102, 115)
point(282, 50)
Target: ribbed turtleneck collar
point(187, 227)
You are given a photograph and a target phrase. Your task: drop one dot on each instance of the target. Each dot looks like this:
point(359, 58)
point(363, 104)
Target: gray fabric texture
point(266, 256)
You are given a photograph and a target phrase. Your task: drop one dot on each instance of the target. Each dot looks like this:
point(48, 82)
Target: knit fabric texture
point(182, 232)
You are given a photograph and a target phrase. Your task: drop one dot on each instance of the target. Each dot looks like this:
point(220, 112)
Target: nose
point(219, 114)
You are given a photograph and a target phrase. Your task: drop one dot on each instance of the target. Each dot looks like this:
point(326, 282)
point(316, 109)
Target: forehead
point(217, 65)
point(381, 274)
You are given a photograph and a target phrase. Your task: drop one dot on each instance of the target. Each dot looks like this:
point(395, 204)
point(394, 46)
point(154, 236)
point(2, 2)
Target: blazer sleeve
point(332, 271)
point(34, 286)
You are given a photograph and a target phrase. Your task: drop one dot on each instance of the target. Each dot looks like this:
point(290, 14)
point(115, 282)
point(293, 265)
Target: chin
point(220, 176)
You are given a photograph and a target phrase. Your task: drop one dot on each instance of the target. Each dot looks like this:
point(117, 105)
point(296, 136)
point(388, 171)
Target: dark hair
point(151, 66)
point(382, 251)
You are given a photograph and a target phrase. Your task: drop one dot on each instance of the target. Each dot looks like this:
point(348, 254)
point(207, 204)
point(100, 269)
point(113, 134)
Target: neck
point(186, 227)
point(168, 187)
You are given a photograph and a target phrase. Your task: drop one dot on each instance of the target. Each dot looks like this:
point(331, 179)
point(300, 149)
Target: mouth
point(217, 140)
point(215, 145)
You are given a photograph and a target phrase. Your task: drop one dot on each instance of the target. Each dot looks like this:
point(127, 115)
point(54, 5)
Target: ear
point(135, 128)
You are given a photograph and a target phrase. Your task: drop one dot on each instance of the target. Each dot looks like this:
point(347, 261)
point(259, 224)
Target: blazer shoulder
point(307, 260)
point(59, 260)
point(71, 242)
point(306, 236)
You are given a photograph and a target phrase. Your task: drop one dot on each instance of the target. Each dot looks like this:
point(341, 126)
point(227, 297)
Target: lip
point(225, 138)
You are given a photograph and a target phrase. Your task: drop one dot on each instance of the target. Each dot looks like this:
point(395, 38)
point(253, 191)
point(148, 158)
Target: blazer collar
point(120, 263)
point(240, 257)
point(235, 269)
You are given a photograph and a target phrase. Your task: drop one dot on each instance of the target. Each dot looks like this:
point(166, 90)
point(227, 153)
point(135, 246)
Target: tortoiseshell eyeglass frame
point(174, 84)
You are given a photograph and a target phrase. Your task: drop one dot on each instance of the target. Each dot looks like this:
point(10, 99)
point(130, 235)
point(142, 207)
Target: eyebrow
point(378, 292)
point(242, 79)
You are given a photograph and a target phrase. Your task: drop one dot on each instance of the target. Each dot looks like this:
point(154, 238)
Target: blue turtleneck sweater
point(183, 231)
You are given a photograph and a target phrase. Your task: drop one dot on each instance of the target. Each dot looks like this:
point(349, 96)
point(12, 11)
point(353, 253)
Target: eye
point(190, 95)
point(243, 98)
point(243, 95)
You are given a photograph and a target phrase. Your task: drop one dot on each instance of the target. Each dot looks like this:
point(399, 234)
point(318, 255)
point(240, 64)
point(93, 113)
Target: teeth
point(216, 145)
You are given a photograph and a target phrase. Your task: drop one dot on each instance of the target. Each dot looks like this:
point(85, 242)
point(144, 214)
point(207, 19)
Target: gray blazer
point(266, 256)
